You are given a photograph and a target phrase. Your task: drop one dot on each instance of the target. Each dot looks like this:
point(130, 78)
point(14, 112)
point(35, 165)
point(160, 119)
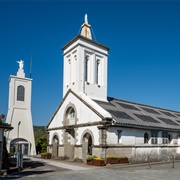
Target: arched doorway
point(55, 146)
point(69, 135)
point(20, 145)
point(86, 146)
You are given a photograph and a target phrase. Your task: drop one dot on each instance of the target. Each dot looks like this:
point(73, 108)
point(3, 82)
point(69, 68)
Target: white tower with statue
point(19, 114)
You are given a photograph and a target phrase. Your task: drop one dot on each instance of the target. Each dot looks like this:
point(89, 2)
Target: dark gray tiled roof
point(134, 114)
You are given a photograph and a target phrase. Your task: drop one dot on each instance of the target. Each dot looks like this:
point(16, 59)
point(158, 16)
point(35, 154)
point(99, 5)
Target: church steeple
point(85, 65)
point(19, 113)
point(86, 28)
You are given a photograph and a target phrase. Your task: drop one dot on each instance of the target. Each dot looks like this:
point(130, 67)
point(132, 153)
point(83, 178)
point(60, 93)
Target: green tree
point(5, 160)
point(40, 139)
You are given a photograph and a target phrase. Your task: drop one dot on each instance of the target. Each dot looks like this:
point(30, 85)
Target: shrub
point(46, 154)
point(90, 157)
point(98, 159)
point(10, 154)
point(112, 157)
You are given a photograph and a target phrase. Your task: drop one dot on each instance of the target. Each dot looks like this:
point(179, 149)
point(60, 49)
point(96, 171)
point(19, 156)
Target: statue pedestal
point(21, 73)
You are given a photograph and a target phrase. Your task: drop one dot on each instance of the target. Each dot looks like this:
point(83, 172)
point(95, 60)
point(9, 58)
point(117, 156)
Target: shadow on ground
point(29, 168)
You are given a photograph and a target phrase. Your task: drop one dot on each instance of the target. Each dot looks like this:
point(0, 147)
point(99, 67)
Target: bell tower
point(19, 114)
point(85, 65)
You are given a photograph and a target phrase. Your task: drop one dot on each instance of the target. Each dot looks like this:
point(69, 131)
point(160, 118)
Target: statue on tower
point(86, 19)
point(21, 64)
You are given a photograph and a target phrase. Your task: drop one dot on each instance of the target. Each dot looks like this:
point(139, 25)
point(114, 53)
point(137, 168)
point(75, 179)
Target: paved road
point(38, 169)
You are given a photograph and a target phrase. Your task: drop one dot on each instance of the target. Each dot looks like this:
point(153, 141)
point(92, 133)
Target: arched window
point(86, 69)
point(70, 116)
point(69, 71)
point(119, 135)
point(20, 93)
point(71, 113)
point(146, 138)
point(97, 71)
point(169, 138)
point(74, 69)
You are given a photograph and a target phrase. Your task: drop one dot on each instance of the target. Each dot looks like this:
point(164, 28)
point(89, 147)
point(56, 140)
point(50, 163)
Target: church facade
point(87, 121)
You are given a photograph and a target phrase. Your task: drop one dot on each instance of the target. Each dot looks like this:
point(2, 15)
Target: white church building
point(87, 121)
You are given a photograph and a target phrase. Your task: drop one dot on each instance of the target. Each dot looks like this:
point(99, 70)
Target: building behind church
point(87, 121)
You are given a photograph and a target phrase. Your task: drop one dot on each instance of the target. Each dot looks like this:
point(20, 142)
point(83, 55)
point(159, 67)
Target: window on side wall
point(169, 138)
point(165, 137)
point(146, 138)
point(154, 137)
point(119, 134)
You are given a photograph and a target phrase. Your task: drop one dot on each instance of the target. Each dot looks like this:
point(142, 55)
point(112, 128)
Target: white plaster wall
point(13, 84)
point(178, 150)
point(81, 109)
point(77, 83)
point(93, 129)
point(25, 128)
point(128, 136)
point(20, 111)
point(59, 133)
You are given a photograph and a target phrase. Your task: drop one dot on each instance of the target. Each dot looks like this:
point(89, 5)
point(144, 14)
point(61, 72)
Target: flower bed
point(123, 160)
point(46, 155)
point(90, 159)
point(112, 160)
point(99, 162)
point(90, 162)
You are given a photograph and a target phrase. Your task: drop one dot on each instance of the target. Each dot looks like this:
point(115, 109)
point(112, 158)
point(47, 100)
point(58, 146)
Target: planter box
point(90, 162)
point(112, 161)
point(123, 160)
point(47, 157)
point(99, 163)
point(42, 156)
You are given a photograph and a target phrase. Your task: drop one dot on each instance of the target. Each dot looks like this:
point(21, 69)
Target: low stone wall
point(119, 151)
point(154, 153)
point(144, 153)
point(135, 154)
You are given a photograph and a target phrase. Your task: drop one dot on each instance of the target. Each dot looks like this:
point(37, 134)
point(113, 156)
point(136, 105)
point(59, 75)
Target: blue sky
point(144, 56)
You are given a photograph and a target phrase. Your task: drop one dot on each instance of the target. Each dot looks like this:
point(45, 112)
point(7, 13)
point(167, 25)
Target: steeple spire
point(86, 28)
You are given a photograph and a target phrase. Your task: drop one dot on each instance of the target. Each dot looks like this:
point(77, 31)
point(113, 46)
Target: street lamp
point(18, 153)
point(18, 129)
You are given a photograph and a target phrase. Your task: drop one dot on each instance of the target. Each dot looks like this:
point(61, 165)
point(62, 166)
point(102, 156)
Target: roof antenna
point(31, 66)
point(79, 30)
point(93, 34)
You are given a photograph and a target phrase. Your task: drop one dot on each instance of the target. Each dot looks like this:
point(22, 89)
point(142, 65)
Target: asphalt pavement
point(36, 168)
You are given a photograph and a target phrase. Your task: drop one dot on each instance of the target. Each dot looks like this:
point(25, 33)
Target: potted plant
point(90, 159)
point(99, 162)
point(112, 160)
point(47, 155)
point(42, 155)
point(123, 160)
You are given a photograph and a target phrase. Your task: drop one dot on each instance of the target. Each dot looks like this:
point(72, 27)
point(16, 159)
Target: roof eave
point(145, 127)
point(85, 38)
